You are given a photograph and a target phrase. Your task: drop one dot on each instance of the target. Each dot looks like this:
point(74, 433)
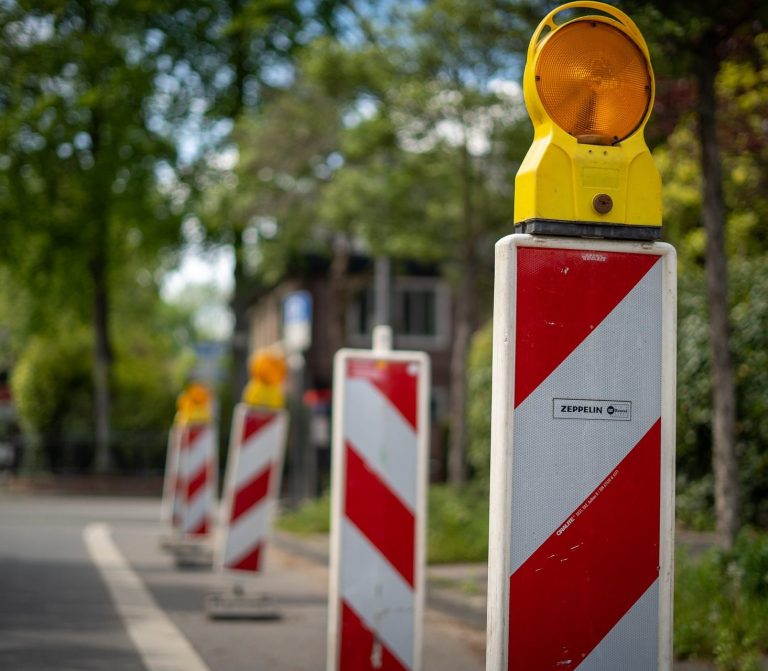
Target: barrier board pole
point(168, 507)
point(378, 517)
point(582, 463)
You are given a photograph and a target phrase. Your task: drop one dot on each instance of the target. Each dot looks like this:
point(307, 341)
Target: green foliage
point(52, 385)
point(52, 388)
point(749, 314)
point(479, 415)
point(144, 405)
point(721, 604)
point(457, 526)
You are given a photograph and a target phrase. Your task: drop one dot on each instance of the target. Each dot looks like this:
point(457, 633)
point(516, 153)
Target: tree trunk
point(239, 305)
point(463, 327)
point(724, 397)
point(462, 334)
point(102, 359)
point(98, 266)
point(338, 276)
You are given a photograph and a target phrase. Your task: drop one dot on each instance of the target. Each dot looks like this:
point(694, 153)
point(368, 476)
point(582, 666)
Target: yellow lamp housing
point(589, 90)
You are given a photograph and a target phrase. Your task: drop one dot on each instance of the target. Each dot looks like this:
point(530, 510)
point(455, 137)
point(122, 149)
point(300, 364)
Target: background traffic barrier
point(251, 486)
point(197, 479)
point(170, 508)
point(380, 446)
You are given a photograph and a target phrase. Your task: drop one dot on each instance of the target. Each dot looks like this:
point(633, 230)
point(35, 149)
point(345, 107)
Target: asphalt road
point(85, 585)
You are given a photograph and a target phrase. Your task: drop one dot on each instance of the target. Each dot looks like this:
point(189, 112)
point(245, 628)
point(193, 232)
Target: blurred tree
point(52, 376)
point(86, 178)
point(434, 134)
point(242, 51)
point(699, 39)
point(414, 85)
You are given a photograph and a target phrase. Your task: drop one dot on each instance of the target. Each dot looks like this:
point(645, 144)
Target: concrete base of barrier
point(237, 605)
point(189, 554)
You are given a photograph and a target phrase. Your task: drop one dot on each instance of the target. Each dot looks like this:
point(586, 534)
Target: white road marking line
point(159, 642)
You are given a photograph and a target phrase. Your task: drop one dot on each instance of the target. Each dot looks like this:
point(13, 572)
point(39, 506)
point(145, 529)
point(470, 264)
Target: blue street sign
point(297, 321)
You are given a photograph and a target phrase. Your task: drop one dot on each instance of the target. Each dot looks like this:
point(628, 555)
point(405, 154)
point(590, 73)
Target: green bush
point(457, 526)
point(749, 344)
point(53, 387)
point(721, 604)
point(479, 406)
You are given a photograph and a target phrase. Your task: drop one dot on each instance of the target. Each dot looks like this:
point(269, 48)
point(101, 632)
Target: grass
point(721, 604)
point(312, 517)
point(457, 524)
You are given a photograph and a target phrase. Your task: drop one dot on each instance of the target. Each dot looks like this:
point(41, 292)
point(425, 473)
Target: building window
point(417, 312)
point(420, 310)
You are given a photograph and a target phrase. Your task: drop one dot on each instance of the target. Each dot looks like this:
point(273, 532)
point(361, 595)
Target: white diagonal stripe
point(633, 643)
point(199, 453)
point(260, 450)
point(199, 508)
point(377, 593)
point(378, 432)
point(248, 530)
point(557, 463)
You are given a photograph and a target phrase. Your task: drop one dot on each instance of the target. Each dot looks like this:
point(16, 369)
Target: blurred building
point(343, 316)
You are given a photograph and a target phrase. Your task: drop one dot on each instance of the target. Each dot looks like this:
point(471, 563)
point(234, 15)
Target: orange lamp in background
point(267, 372)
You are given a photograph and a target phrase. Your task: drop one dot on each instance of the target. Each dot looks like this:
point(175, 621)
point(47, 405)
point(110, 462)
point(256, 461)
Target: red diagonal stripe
point(396, 380)
point(255, 422)
point(380, 515)
point(197, 482)
point(357, 651)
point(192, 434)
point(250, 494)
point(562, 296)
point(201, 529)
point(250, 561)
point(585, 577)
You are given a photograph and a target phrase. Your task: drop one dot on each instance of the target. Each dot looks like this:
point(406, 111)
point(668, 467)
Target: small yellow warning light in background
point(267, 371)
point(194, 405)
point(589, 90)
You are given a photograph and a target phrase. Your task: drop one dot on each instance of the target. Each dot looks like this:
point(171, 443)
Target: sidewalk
point(456, 590)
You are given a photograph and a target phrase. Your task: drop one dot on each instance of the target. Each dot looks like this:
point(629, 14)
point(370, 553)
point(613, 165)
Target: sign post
point(297, 338)
point(378, 517)
point(583, 410)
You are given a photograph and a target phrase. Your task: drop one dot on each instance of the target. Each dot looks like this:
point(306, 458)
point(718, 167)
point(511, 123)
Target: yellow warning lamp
point(267, 372)
point(589, 90)
point(195, 405)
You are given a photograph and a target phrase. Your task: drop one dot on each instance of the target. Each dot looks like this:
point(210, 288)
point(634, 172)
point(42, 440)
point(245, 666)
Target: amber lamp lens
point(593, 81)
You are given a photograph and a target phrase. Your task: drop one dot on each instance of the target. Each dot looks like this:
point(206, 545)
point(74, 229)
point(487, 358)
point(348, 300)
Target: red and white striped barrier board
point(197, 478)
point(379, 480)
point(169, 505)
point(582, 465)
point(252, 486)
